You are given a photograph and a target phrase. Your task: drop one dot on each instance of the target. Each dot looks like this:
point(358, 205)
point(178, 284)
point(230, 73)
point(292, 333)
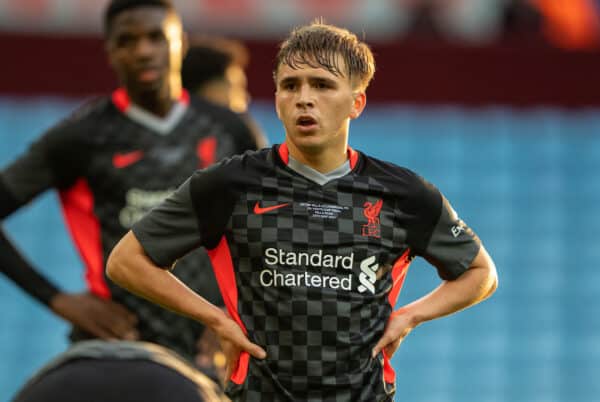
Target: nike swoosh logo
point(259, 211)
point(122, 160)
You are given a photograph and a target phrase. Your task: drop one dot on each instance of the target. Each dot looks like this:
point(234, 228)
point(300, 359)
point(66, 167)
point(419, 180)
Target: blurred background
point(495, 101)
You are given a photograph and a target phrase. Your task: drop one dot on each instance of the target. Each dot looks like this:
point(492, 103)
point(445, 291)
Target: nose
point(305, 97)
point(144, 48)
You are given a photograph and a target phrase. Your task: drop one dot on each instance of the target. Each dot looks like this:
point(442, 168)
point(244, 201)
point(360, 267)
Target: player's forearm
point(129, 267)
point(472, 287)
point(16, 267)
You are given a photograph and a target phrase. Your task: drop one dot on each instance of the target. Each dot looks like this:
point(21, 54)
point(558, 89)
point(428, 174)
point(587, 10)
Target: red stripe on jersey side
point(220, 257)
point(353, 157)
point(120, 99)
point(78, 209)
point(399, 271)
point(206, 150)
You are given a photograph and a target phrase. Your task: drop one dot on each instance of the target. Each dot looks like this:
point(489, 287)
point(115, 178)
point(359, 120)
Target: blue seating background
point(525, 180)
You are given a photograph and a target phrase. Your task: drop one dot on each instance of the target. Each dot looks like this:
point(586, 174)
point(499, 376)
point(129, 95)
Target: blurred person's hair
point(116, 7)
point(208, 59)
point(320, 45)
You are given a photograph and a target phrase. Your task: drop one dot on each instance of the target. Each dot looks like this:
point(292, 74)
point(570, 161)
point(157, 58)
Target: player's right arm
point(53, 161)
point(130, 267)
point(142, 260)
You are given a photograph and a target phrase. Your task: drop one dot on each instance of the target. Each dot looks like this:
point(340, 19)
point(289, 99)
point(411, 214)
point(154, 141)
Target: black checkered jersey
point(310, 269)
point(112, 162)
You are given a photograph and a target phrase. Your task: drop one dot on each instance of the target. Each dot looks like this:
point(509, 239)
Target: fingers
point(123, 313)
point(230, 332)
point(102, 318)
point(243, 343)
point(254, 350)
point(383, 342)
point(98, 331)
point(391, 348)
point(116, 319)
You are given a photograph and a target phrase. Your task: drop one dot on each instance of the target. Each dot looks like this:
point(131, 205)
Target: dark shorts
point(97, 380)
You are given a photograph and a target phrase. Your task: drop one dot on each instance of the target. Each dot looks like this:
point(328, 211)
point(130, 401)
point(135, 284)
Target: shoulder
point(74, 128)
point(413, 190)
point(230, 123)
point(237, 169)
point(203, 107)
point(392, 174)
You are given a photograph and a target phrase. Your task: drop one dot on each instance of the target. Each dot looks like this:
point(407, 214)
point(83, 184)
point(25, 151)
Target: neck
point(322, 160)
point(158, 102)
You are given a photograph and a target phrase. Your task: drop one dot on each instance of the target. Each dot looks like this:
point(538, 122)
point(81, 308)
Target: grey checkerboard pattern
point(318, 340)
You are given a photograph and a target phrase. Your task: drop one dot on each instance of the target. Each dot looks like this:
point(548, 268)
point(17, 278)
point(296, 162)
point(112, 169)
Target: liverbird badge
point(371, 212)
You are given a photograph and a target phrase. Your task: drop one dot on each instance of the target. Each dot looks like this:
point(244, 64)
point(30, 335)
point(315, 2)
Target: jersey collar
point(163, 125)
point(284, 155)
point(312, 174)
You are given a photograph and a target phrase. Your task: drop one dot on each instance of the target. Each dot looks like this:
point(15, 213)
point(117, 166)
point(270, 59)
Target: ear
point(358, 105)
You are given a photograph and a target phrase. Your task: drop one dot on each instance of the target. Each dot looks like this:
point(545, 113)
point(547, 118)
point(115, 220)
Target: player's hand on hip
point(102, 318)
point(398, 326)
point(233, 342)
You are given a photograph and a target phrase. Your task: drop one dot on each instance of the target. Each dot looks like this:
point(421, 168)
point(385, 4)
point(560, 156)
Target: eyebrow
point(294, 79)
point(288, 80)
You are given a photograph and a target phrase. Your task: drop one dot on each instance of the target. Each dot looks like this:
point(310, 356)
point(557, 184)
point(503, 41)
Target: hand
point(102, 318)
point(399, 325)
point(233, 342)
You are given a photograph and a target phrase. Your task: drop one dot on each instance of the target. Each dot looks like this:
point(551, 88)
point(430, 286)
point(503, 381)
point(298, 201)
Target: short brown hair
point(319, 44)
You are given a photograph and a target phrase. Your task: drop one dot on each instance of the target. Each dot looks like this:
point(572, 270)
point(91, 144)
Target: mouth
point(306, 123)
point(148, 74)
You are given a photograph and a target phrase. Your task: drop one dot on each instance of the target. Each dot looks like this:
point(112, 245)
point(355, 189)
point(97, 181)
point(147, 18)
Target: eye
point(124, 40)
point(288, 86)
point(157, 36)
point(322, 85)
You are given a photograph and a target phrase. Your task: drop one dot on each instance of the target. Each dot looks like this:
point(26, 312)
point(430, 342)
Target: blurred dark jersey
point(112, 162)
point(310, 265)
point(118, 371)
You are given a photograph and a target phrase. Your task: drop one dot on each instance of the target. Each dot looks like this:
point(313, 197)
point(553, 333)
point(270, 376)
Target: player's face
point(145, 48)
point(316, 106)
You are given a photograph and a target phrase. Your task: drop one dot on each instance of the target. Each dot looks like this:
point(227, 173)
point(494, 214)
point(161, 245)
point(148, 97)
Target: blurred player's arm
point(21, 181)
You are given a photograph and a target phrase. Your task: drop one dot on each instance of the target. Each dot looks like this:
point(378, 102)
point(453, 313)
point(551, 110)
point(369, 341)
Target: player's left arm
point(474, 285)
point(468, 272)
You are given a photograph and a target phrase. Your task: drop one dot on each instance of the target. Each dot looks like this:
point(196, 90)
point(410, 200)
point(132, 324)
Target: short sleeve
point(445, 240)
point(452, 245)
point(170, 230)
point(54, 160)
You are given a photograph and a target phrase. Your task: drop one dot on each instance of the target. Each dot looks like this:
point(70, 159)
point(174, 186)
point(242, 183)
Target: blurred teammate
point(112, 161)
point(119, 371)
point(310, 241)
point(214, 68)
